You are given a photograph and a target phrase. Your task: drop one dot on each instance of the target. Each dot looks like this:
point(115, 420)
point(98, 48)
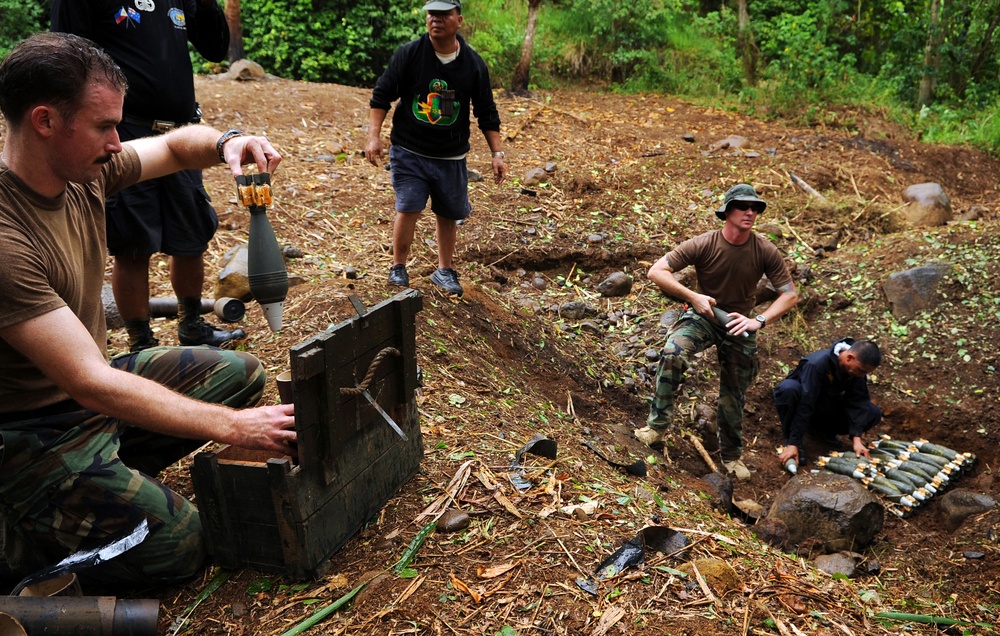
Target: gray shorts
point(445, 181)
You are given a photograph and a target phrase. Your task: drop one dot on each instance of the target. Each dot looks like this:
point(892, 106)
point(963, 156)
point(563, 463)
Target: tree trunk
point(985, 48)
point(928, 77)
point(745, 43)
point(519, 82)
point(236, 50)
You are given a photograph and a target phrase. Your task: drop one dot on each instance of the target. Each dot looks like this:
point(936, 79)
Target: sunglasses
point(744, 205)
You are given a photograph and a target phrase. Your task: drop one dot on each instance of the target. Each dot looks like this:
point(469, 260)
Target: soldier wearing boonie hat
point(741, 192)
point(728, 263)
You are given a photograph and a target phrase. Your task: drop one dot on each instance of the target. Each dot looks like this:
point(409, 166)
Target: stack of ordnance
point(906, 473)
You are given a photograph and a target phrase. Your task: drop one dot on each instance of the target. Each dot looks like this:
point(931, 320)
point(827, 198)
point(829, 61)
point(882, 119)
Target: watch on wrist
point(498, 153)
point(226, 136)
point(762, 320)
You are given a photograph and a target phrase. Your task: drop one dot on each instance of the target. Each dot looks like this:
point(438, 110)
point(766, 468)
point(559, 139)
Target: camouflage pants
point(72, 479)
point(738, 366)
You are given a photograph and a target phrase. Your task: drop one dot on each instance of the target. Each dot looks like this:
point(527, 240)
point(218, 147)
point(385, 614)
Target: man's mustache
point(106, 158)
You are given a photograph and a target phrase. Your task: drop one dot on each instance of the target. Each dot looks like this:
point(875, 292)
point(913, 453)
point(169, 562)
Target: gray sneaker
point(447, 279)
point(398, 276)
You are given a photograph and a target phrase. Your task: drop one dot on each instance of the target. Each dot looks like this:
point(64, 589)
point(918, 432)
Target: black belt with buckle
point(157, 125)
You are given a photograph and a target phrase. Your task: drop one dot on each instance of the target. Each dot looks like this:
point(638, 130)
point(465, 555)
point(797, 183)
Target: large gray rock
point(832, 510)
point(845, 563)
point(927, 204)
point(958, 505)
point(669, 317)
point(245, 71)
point(617, 284)
point(576, 310)
point(914, 290)
point(111, 315)
point(234, 279)
point(534, 177)
point(720, 488)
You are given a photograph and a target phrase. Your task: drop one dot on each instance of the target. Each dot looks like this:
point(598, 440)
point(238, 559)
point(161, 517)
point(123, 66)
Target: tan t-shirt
point(729, 273)
point(52, 255)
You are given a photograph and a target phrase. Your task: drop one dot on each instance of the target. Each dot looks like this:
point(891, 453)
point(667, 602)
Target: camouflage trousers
point(72, 479)
point(738, 366)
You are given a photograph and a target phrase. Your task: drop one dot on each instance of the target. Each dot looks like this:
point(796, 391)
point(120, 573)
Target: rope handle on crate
point(376, 361)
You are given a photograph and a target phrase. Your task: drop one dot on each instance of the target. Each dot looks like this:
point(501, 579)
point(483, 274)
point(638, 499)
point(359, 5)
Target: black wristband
point(226, 136)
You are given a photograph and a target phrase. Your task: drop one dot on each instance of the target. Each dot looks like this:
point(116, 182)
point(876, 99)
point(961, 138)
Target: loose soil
point(500, 365)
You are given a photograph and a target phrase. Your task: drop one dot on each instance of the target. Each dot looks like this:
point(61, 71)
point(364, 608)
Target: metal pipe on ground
point(83, 615)
point(227, 309)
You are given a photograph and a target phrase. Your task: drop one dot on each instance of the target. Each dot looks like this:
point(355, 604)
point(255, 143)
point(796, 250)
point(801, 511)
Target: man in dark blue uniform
point(149, 41)
point(827, 395)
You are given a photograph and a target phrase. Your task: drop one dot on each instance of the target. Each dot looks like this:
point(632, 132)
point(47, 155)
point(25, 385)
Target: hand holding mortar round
point(266, 266)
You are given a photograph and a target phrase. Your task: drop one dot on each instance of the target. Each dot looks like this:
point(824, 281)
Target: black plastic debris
point(637, 468)
point(537, 445)
point(79, 561)
point(633, 552)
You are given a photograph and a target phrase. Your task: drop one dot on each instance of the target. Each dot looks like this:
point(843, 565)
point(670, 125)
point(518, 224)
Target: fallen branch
point(796, 235)
point(701, 451)
point(863, 210)
point(524, 123)
point(808, 189)
point(450, 493)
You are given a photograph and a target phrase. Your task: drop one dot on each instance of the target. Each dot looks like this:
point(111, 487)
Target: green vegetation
point(930, 66)
point(19, 19)
point(820, 63)
point(327, 40)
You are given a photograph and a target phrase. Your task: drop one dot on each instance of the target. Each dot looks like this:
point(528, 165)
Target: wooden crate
point(277, 515)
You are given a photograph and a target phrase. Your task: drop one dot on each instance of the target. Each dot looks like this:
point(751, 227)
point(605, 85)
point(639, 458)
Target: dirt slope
point(500, 365)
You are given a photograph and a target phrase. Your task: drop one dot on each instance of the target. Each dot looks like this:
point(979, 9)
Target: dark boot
point(192, 330)
point(197, 331)
point(140, 336)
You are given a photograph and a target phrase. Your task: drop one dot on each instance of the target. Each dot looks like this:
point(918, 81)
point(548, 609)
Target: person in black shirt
point(435, 77)
point(149, 41)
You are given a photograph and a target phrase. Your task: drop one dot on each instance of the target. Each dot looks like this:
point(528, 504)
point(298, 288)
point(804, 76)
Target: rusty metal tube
point(83, 615)
point(228, 309)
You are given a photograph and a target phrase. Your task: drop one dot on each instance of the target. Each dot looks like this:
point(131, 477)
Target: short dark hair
point(53, 68)
point(867, 352)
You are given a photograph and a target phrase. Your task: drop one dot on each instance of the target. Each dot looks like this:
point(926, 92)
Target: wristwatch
point(226, 136)
point(498, 153)
point(762, 320)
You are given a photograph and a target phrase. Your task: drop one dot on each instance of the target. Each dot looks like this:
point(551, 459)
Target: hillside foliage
point(929, 65)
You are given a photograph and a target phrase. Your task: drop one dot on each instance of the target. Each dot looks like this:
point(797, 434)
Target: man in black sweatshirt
point(436, 78)
point(827, 395)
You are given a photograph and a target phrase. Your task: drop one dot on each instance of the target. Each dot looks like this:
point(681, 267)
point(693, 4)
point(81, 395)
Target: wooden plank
point(278, 516)
point(333, 525)
point(215, 514)
point(291, 538)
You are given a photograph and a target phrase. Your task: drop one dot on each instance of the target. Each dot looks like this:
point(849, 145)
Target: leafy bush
point(19, 19)
point(327, 40)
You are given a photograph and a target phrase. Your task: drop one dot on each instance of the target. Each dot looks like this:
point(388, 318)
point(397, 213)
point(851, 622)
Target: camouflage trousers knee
point(72, 479)
point(738, 366)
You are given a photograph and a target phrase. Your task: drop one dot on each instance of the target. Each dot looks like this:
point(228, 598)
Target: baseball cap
point(443, 5)
point(741, 192)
